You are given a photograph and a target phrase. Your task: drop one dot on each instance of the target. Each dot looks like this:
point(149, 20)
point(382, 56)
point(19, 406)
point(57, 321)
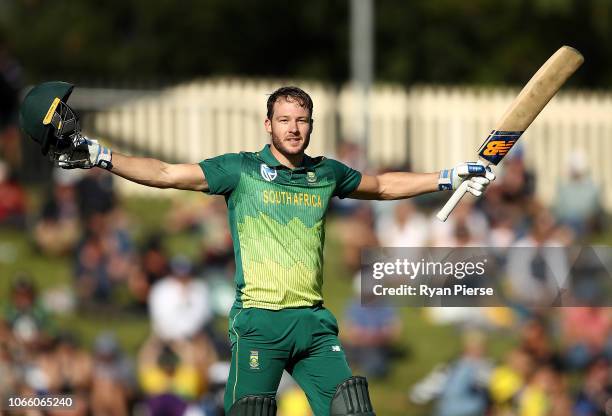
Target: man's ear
point(268, 125)
point(311, 125)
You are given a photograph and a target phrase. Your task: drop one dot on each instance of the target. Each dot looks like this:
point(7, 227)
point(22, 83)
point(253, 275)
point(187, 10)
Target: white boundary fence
point(429, 127)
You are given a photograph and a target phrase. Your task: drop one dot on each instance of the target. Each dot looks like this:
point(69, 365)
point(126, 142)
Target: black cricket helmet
point(45, 116)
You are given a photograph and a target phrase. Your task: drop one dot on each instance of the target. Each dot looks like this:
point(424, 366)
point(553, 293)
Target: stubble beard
point(280, 145)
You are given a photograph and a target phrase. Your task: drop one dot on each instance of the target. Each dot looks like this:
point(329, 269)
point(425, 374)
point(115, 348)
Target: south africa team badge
point(311, 177)
point(254, 360)
point(267, 172)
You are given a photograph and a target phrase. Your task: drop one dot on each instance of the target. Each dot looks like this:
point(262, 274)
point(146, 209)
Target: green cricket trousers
point(303, 341)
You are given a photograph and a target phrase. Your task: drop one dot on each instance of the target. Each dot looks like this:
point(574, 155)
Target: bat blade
point(534, 96)
point(529, 103)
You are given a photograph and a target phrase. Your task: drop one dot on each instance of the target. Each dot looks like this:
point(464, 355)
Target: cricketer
point(277, 200)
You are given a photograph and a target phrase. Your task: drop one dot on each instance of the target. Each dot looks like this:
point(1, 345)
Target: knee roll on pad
point(254, 406)
point(352, 398)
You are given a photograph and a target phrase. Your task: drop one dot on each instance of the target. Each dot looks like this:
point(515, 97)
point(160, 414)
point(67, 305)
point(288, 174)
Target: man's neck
point(290, 161)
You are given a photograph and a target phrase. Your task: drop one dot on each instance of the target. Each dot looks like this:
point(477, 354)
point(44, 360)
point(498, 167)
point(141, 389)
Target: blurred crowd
point(559, 366)
point(559, 363)
point(179, 369)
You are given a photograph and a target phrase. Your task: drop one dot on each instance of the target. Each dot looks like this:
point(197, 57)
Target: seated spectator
point(180, 309)
point(187, 213)
point(464, 392)
point(544, 394)
point(535, 399)
point(57, 230)
point(69, 367)
point(430, 387)
point(356, 232)
point(586, 334)
point(11, 84)
point(179, 304)
point(560, 398)
point(462, 237)
point(517, 183)
point(95, 193)
point(578, 199)
point(75, 365)
point(40, 370)
point(113, 382)
point(169, 380)
point(536, 340)
point(27, 319)
point(508, 380)
point(594, 396)
point(466, 227)
point(349, 153)
point(206, 217)
point(406, 227)
point(9, 373)
point(153, 266)
point(174, 377)
point(93, 282)
point(103, 260)
point(537, 267)
point(502, 234)
point(13, 201)
point(217, 248)
point(370, 335)
point(511, 196)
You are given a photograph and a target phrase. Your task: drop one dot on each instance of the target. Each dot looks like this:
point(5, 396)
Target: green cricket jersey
point(277, 221)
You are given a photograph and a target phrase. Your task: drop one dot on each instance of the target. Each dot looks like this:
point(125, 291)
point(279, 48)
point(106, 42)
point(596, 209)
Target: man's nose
point(293, 126)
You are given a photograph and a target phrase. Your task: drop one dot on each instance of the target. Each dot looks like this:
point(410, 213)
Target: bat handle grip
point(452, 202)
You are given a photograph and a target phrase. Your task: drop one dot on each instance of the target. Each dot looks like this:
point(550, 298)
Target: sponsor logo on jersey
point(268, 173)
point(292, 198)
point(254, 360)
point(335, 348)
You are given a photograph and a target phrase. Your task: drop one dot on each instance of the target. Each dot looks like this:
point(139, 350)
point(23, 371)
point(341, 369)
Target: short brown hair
point(294, 93)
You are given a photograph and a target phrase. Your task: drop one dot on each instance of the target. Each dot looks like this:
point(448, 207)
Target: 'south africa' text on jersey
point(292, 198)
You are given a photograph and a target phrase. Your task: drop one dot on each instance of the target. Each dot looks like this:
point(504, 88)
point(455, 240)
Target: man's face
point(290, 126)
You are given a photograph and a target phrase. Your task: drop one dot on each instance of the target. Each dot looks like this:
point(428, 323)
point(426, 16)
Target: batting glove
point(477, 175)
point(86, 153)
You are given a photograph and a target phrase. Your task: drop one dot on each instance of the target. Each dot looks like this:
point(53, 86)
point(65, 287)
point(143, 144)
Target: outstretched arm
point(158, 174)
point(88, 153)
point(395, 185)
point(401, 185)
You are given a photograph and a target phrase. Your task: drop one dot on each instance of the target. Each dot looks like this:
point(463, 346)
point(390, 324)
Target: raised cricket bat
point(521, 113)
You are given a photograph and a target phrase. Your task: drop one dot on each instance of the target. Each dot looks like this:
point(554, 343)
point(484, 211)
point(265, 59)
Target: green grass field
point(425, 344)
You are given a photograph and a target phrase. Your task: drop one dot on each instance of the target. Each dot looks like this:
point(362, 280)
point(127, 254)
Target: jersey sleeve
point(347, 179)
point(222, 173)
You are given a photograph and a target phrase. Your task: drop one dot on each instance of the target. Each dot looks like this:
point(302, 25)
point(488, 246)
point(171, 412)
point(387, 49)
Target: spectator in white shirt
point(407, 227)
point(179, 304)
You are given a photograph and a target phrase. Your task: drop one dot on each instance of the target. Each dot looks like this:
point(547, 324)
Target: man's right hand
point(476, 174)
point(86, 153)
